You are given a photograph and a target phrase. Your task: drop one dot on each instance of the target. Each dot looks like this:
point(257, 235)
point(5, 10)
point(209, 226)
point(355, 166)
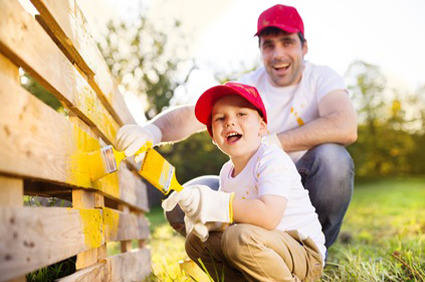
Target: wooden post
point(126, 244)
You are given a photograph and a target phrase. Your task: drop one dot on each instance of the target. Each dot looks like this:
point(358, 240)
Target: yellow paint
point(300, 121)
point(91, 220)
point(80, 163)
point(90, 105)
point(110, 222)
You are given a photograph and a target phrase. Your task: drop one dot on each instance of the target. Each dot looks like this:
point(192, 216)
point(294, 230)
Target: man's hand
point(131, 137)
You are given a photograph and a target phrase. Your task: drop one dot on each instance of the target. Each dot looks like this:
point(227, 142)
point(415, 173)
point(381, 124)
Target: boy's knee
point(235, 240)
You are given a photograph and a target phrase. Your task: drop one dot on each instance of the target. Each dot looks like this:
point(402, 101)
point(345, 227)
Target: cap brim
point(285, 28)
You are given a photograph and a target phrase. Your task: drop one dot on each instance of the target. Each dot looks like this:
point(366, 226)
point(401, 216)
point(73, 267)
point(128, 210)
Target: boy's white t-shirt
point(271, 172)
point(293, 106)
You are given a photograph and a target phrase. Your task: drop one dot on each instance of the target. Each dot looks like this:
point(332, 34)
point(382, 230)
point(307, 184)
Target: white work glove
point(131, 137)
point(202, 204)
point(272, 139)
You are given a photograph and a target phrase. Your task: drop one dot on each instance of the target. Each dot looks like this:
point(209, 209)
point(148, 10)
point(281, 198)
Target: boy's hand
point(202, 204)
point(131, 137)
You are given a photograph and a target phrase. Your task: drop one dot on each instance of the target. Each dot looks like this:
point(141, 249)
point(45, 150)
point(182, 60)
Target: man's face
point(282, 55)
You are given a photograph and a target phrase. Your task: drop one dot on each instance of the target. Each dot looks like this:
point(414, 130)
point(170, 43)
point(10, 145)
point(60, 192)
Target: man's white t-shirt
point(293, 106)
point(271, 172)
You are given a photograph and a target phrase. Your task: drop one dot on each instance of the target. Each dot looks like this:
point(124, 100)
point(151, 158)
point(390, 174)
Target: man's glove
point(131, 137)
point(202, 204)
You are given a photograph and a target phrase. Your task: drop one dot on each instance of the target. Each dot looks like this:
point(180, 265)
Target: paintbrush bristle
point(101, 162)
point(158, 171)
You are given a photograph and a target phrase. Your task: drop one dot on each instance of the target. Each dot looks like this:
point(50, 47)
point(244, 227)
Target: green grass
point(382, 238)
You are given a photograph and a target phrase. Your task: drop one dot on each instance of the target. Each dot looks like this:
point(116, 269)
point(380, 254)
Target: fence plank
point(120, 226)
point(28, 46)
point(39, 143)
point(34, 237)
point(97, 272)
point(130, 266)
point(66, 22)
point(11, 191)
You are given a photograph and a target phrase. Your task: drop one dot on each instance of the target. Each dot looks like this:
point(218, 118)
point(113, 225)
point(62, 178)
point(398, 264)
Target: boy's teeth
point(231, 134)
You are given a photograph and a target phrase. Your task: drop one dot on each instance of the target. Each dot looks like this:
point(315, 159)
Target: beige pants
point(245, 252)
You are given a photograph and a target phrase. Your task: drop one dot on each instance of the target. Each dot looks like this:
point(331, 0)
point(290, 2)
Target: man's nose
point(279, 53)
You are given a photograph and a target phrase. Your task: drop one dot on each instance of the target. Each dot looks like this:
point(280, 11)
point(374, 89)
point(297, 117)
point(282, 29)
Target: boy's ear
point(213, 141)
point(263, 128)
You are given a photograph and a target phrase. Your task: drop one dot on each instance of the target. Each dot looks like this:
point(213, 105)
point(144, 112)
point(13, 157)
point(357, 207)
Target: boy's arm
point(265, 212)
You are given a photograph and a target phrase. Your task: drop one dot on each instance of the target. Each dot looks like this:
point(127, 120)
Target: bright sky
point(387, 33)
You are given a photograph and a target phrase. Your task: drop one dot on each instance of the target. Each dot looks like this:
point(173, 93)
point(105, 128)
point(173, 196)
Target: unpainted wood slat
point(34, 237)
point(30, 47)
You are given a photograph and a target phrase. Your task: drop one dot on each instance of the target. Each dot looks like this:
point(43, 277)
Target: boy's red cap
point(207, 100)
point(283, 17)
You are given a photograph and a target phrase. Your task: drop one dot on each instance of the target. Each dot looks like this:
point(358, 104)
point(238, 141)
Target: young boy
point(276, 235)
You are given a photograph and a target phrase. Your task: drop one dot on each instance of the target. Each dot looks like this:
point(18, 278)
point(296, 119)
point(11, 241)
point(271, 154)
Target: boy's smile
point(237, 127)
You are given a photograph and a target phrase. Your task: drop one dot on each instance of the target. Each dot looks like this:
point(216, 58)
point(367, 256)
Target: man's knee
point(332, 158)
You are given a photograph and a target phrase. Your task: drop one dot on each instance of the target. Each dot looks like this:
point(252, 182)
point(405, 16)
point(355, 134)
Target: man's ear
point(305, 48)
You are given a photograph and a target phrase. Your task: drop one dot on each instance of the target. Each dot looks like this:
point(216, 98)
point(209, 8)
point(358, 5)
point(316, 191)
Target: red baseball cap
point(207, 100)
point(283, 17)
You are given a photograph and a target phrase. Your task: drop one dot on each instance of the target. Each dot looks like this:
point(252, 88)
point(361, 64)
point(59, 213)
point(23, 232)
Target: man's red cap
point(282, 17)
point(203, 108)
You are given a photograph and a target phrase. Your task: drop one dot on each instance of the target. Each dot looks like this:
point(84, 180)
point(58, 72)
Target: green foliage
point(391, 126)
point(382, 237)
point(142, 61)
point(53, 272)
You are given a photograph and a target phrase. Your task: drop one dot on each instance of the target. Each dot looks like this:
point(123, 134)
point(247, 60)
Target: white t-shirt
point(271, 172)
point(292, 106)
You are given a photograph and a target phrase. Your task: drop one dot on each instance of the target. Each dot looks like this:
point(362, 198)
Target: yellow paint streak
point(91, 220)
point(89, 104)
point(110, 223)
point(300, 121)
point(82, 161)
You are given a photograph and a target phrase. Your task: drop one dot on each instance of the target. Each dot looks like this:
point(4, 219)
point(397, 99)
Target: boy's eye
point(219, 118)
point(242, 114)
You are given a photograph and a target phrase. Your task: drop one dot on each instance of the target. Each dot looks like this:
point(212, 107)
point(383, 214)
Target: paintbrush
point(159, 172)
point(107, 160)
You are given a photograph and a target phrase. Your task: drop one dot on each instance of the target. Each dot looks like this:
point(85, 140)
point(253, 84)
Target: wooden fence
point(43, 152)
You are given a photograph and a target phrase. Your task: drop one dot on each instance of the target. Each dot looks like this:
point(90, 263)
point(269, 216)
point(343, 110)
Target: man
point(310, 117)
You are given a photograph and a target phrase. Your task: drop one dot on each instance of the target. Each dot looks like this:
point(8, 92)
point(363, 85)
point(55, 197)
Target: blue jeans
point(327, 172)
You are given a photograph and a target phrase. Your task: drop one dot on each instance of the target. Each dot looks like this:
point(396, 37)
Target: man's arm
point(177, 123)
point(337, 124)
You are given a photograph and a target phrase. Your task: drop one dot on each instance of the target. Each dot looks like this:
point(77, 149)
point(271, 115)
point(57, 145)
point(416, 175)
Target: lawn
point(382, 238)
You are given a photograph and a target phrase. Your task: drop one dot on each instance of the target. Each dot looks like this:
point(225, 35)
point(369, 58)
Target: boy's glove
point(131, 137)
point(202, 204)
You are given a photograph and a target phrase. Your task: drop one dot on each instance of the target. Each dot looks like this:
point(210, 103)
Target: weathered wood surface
point(39, 143)
point(37, 237)
point(130, 266)
point(30, 47)
point(67, 24)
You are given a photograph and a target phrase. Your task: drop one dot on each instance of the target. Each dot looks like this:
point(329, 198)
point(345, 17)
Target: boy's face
point(237, 126)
